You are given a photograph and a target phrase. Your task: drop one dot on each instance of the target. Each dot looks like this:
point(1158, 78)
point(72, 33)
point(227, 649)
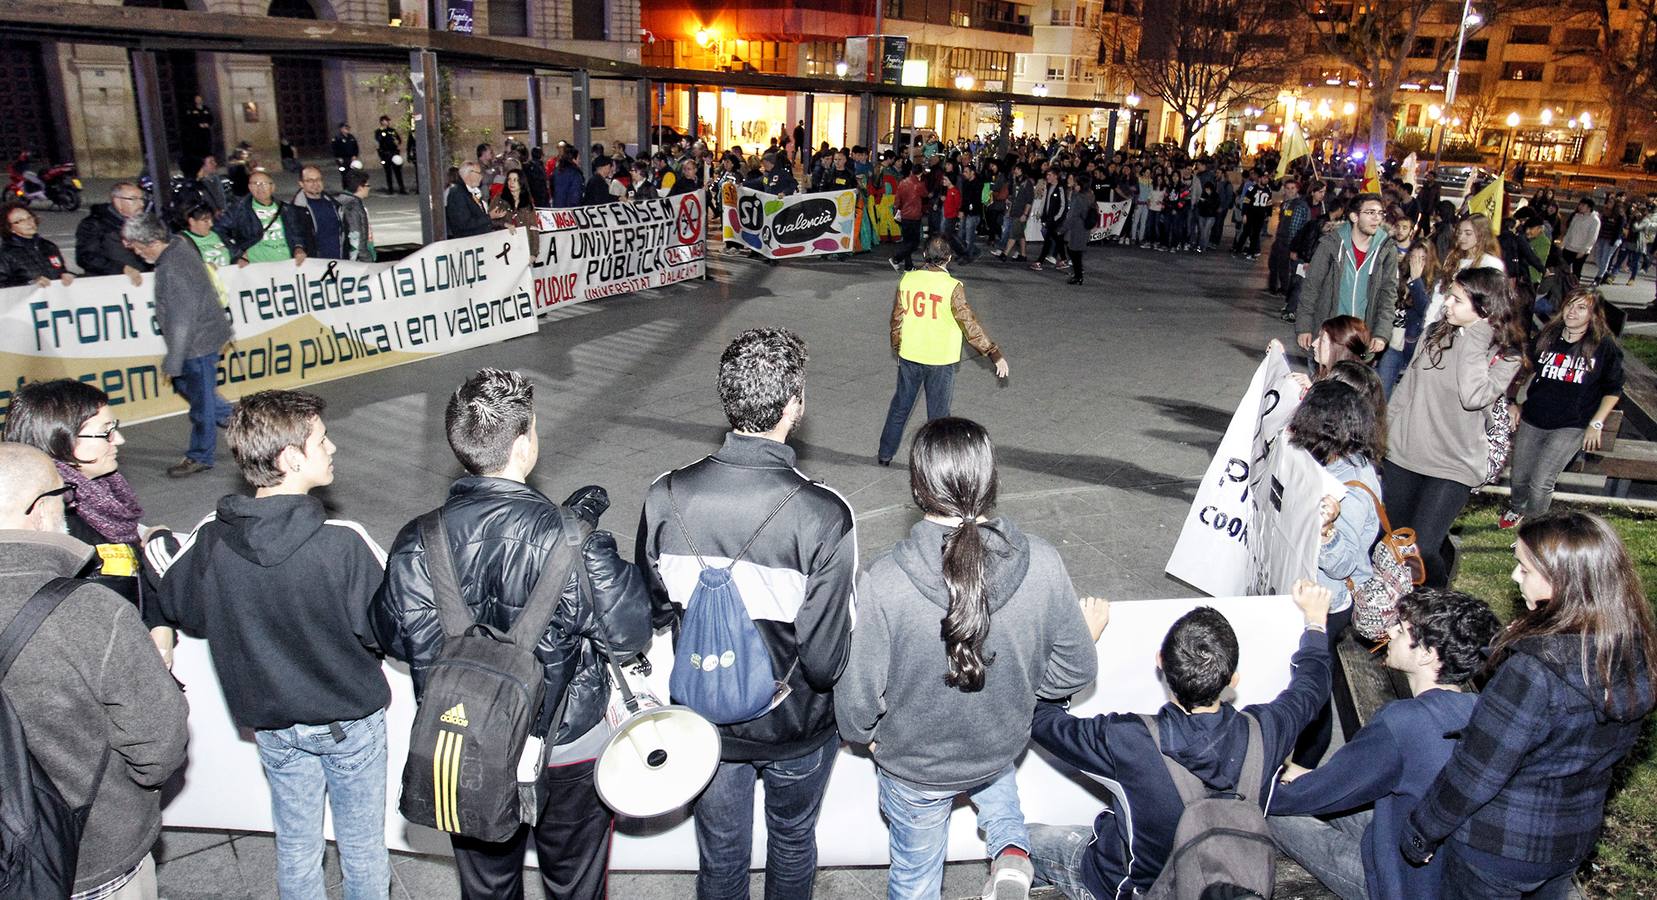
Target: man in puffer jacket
point(501, 532)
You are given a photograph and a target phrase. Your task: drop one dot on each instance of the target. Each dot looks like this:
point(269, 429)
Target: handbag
point(1498, 437)
point(1396, 560)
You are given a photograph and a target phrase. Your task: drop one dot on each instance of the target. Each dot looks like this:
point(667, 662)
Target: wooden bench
point(1622, 459)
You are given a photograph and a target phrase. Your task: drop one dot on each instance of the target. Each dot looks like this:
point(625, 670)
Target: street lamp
point(1132, 99)
point(840, 69)
point(1547, 116)
point(1039, 90)
point(1468, 18)
point(963, 82)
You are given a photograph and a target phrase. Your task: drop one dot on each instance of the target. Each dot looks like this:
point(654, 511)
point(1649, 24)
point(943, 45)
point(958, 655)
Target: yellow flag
point(1294, 147)
point(1489, 202)
point(1372, 178)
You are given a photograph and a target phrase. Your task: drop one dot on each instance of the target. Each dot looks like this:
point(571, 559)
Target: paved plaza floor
point(1118, 394)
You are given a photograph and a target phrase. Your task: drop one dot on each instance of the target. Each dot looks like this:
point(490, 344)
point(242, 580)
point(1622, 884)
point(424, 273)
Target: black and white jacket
point(796, 579)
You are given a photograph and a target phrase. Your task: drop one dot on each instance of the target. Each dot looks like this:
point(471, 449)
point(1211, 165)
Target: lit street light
point(1132, 99)
point(840, 69)
point(1512, 123)
point(1547, 116)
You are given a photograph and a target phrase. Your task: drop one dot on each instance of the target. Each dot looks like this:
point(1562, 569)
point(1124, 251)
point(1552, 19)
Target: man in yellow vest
point(930, 316)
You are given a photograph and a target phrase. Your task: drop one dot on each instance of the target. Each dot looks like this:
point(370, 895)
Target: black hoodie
point(281, 594)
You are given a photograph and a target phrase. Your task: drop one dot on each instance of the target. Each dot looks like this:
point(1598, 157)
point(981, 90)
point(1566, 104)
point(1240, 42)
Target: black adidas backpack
point(482, 695)
point(40, 835)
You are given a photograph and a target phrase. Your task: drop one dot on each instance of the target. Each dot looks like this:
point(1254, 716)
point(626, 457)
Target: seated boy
point(1392, 760)
point(1199, 662)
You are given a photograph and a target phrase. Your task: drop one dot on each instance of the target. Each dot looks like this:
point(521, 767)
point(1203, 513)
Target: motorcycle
point(58, 185)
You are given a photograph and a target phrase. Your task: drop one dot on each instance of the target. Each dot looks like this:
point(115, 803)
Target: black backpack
point(1221, 841)
point(482, 696)
point(40, 835)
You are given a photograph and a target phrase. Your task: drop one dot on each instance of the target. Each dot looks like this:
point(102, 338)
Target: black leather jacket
point(500, 533)
point(22, 260)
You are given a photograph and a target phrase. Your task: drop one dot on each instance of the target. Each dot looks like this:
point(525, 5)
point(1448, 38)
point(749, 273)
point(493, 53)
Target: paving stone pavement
point(1119, 392)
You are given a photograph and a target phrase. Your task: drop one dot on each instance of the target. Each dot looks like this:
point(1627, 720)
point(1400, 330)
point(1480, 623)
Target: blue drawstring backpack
point(721, 667)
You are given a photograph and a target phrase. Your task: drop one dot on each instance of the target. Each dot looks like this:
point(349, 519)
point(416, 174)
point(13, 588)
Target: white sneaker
point(1010, 878)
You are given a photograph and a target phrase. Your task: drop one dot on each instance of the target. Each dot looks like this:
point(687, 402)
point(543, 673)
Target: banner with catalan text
point(618, 248)
point(793, 226)
point(294, 325)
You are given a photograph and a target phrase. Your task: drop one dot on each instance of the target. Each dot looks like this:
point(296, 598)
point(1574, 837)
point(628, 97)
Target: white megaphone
point(659, 758)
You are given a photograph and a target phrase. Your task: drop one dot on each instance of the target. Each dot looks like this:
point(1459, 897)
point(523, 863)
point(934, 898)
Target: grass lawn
point(1642, 348)
point(1626, 863)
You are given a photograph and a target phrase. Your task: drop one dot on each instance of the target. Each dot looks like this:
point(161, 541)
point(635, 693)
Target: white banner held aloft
point(1112, 216)
point(618, 248)
point(1212, 554)
point(294, 325)
point(1283, 539)
point(224, 787)
point(792, 226)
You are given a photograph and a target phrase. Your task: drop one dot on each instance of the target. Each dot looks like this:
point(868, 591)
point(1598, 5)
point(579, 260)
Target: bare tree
point(1205, 57)
point(1380, 39)
point(1625, 53)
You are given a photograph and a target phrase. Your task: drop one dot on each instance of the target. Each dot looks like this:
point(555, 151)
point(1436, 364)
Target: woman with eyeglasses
point(71, 422)
point(25, 256)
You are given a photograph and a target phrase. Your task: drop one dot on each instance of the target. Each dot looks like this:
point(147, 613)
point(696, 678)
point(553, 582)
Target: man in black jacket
point(464, 208)
point(345, 149)
point(281, 592)
point(796, 580)
point(389, 144)
point(597, 192)
point(261, 228)
point(98, 246)
point(501, 532)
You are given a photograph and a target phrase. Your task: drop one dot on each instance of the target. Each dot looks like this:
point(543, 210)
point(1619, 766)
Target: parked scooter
point(58, 185)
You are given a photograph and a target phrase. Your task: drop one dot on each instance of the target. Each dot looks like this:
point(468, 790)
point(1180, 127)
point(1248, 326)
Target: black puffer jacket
point(500, 533)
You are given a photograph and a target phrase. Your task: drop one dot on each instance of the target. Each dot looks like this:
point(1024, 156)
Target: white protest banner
point(224, 787)
point(1212, 554)
point(1112, 216)
point(600, 251)
point(795, 225)
point(294, 325)
point(1283, 539)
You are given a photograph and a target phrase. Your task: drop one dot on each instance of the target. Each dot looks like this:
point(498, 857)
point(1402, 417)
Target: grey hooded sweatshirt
point(892, 694)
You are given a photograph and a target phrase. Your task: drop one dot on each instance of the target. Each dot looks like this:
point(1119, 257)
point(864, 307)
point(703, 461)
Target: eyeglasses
point(107, 434)
point(67, 492)
point(1371, 212)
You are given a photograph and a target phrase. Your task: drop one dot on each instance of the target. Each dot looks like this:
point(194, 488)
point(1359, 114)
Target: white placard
point(618, 248)
point(224, 787)
point(1212, 552)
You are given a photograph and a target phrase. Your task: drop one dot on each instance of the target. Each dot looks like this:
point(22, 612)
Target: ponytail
point(967, 625)
point(952, 473)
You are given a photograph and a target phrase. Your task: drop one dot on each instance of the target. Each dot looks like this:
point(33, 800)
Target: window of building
point(1570, 74)
point(1530, 34)
point(598, 113)
point(1581, 37)
point(1469, 83)
point(1522, 71)
point(515, 115)
point(1055, 72)
point(590, 19)
point(1479, 49)
point(509, 18)
point(1425, 48)
point(1021, 64)
point(1062, 13)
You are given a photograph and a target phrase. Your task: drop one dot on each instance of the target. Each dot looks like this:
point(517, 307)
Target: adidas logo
point(455, 715)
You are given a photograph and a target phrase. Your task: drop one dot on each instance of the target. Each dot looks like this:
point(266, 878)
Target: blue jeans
point(305, 764)
point(1056, 852)
point(919, 825)
point(207, 409)
point(939, 382)
point(969, 235)
point(725, 825)
point(1330, 849)
point(1391, 367)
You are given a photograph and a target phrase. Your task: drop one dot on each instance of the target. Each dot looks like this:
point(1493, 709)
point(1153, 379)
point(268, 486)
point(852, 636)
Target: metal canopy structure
point(147, 31)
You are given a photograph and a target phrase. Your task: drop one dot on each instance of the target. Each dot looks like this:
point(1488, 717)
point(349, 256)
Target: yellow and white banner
point(294, 324)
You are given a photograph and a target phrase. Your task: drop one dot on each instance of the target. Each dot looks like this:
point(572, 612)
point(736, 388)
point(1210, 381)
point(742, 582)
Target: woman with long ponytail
point(961, 627)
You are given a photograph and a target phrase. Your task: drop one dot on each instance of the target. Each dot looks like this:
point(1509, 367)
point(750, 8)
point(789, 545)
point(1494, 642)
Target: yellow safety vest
point(931, 336)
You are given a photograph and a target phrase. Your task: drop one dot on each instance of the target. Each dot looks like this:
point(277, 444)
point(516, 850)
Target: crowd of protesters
point(1429, 331)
